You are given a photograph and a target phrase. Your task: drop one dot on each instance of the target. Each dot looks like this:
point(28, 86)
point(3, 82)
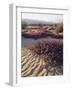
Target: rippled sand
point(34, 65)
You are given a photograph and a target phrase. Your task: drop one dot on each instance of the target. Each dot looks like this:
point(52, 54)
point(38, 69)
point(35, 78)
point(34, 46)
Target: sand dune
point(34, 65)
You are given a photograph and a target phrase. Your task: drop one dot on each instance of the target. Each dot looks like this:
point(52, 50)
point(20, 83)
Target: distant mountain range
point(30, 21)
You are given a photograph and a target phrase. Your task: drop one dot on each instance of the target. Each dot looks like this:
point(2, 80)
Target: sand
point(34, 65)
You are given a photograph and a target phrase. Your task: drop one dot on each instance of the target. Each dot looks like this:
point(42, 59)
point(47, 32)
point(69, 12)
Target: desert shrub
point(51, 50)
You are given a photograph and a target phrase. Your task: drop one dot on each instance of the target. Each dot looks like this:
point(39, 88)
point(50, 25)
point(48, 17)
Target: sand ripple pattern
point(31, 65)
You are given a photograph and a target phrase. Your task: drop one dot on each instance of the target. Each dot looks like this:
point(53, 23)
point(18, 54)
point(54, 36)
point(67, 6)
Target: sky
point(44, 17)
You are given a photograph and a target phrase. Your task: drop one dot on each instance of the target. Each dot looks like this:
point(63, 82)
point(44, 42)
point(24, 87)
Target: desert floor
point(34, 65)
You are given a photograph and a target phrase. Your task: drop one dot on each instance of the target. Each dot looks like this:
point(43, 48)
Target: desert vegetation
point(51, 50)
point(42, 29)
point(43, 57)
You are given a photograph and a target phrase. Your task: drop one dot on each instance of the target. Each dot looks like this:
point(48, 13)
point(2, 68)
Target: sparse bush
point(51, 50)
